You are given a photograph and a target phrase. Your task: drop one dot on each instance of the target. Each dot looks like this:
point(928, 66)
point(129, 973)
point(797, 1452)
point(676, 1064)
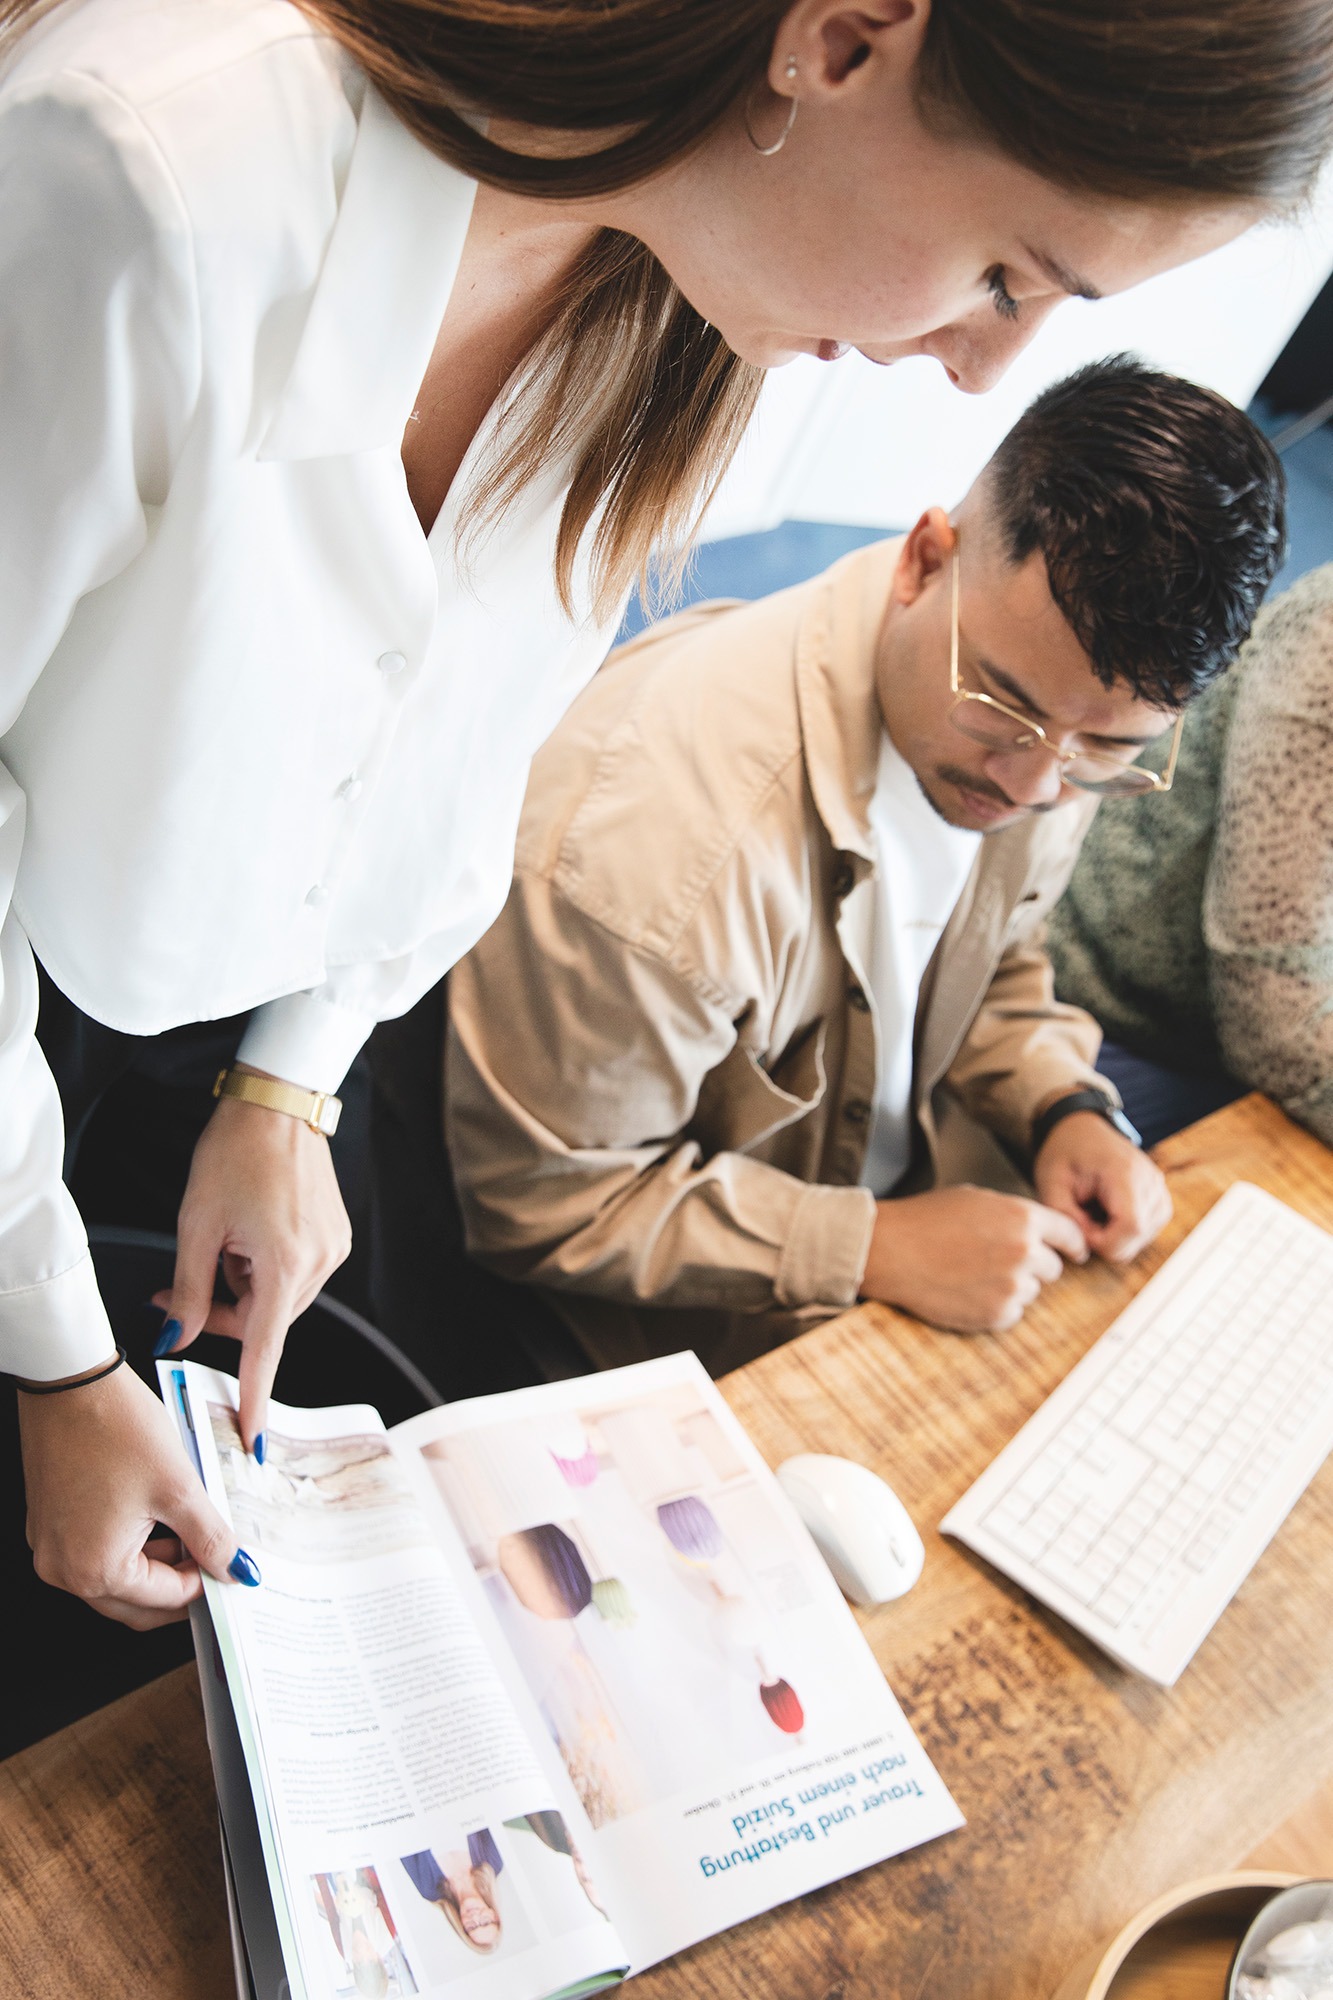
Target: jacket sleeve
point(98, 368)
point(1268, 902)
point(1024, 1047)
point(574, 1067)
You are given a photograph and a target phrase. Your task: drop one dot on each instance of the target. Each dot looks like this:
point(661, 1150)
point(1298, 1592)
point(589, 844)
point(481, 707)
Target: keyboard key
point(1167, 1446)
point(1114, 1603)
point(1070, 1577)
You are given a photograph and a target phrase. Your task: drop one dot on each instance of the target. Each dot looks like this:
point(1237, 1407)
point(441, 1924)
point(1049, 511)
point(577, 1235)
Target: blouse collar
point(381, 294)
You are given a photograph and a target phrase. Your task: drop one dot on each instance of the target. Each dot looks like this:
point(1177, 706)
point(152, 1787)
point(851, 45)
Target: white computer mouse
point(859, 1524)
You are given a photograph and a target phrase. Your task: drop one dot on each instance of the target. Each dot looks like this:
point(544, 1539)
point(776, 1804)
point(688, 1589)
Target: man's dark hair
point(1159, 509)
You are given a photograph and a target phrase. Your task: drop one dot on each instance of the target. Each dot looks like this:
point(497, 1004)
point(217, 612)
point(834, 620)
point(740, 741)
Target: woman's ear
point(821, 43)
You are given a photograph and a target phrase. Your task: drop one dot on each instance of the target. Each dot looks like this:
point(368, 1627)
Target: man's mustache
point(953, 774)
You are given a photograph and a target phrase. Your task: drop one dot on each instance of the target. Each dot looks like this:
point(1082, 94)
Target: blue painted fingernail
point(259, 1449)
point(166, 1340)
point(242, 1568)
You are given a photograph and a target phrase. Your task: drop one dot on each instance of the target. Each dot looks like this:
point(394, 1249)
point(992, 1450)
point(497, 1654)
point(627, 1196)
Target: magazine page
point(674, 1633)
point(416, 1840)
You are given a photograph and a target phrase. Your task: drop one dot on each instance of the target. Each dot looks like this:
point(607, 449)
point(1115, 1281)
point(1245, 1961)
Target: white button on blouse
point(223, 265)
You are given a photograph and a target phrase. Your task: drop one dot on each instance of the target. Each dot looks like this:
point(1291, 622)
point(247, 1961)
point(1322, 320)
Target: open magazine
point(537, 1689)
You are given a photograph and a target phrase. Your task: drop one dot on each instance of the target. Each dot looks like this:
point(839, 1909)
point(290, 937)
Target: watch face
point(1123, 1126)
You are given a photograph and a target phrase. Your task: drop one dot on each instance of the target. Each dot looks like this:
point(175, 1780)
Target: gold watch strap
point(319, 1109)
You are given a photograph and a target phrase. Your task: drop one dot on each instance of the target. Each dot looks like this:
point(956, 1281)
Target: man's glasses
point(986, 720)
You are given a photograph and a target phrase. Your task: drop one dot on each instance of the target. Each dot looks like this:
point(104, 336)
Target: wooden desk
point(1086, 1791)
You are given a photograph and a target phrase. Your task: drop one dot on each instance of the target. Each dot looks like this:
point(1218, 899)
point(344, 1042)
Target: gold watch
point(319, 1109)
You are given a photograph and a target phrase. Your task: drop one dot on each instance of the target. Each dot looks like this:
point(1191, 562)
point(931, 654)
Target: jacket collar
point(839, 709)
point(375, 313)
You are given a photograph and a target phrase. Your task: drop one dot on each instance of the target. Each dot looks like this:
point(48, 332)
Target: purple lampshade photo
point(690, 1527)
point(546, 1571)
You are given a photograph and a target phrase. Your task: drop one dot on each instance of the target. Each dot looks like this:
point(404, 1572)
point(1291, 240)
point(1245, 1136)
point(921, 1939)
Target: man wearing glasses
point(770, 982)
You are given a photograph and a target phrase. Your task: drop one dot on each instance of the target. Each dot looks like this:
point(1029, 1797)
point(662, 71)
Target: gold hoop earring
point(767, 152)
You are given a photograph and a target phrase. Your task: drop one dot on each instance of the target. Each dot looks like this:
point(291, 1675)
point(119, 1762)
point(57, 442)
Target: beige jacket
point(661, 1059)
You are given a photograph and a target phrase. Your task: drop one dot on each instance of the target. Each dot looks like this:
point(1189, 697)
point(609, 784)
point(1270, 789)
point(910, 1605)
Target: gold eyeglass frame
point(1036, 736)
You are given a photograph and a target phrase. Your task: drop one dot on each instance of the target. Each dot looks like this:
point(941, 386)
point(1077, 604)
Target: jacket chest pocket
point(741, 1103)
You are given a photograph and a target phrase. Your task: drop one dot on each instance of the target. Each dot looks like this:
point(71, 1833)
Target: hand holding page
point(542, 1687)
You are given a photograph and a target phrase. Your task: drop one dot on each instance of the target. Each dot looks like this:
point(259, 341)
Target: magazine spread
point(537, 1689)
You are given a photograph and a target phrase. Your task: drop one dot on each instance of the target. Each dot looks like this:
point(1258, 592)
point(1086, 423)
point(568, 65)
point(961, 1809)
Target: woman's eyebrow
point(1061, 275)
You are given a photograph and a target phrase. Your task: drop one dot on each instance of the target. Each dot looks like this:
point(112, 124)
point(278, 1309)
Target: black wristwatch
point(1080, 1100)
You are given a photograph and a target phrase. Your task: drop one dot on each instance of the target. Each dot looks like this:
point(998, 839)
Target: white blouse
point(263, 744)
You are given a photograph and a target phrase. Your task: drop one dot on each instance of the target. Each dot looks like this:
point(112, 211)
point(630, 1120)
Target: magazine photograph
point(540, 1689)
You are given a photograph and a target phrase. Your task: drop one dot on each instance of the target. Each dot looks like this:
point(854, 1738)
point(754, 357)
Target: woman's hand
point(103, 1465)
point(263, 1196)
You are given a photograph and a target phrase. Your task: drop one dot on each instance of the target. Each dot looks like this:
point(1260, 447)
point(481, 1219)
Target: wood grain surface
point(109, 1857)
point(1087, 1791)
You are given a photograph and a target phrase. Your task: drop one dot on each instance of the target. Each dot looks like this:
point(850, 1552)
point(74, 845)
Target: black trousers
point(444, 1310)
point(160, 1087)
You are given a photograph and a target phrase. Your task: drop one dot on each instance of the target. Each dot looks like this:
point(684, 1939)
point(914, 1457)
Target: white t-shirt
point(921, 865)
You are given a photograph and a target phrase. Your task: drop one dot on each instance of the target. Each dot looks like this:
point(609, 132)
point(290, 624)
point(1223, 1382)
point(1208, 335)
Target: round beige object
point(1181, 1946)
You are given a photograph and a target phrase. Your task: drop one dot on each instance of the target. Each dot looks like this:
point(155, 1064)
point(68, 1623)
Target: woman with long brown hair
point(354, 357)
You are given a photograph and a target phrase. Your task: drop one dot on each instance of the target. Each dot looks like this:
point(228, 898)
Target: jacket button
point(350, 788)
point(856, 1111)
point(842, 879)
point(856, 998)
point(391, 663)
point(314, 897)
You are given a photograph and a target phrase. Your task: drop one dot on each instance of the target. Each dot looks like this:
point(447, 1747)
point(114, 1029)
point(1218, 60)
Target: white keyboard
point(1139, 1496)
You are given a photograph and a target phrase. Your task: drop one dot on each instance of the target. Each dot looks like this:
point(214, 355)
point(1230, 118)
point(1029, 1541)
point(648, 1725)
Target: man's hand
point(966, 1258)
point(263, 1195)
point(1091, 1173)
point(103, 1465)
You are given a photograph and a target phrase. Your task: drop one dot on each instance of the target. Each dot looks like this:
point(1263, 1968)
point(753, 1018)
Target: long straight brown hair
point(1166, 100)
point(1148, 100)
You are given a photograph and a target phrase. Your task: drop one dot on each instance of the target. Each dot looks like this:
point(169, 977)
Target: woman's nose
point(977, 350)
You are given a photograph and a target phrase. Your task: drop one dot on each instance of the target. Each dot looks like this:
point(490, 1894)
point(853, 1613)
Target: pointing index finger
point(269, 1313)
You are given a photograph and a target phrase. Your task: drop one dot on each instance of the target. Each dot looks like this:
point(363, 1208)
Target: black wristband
point(59, 1388)
point(1080, 1100)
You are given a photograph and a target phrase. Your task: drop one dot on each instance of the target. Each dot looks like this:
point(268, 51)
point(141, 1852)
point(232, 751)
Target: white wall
point(845, 441)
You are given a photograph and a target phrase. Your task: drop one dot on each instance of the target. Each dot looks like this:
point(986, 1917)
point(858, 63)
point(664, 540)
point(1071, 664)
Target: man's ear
point(924, 556)
point(828, 41)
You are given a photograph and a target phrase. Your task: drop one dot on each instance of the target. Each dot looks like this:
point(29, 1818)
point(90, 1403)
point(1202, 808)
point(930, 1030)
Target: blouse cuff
point(56, 1328)
point(305, 1040)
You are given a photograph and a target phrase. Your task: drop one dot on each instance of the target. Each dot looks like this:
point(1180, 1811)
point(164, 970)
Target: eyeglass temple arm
point(1170, 771)
point(953, 620)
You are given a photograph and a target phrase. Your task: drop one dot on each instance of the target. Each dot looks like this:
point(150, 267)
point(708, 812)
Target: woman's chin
point(765, 350)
